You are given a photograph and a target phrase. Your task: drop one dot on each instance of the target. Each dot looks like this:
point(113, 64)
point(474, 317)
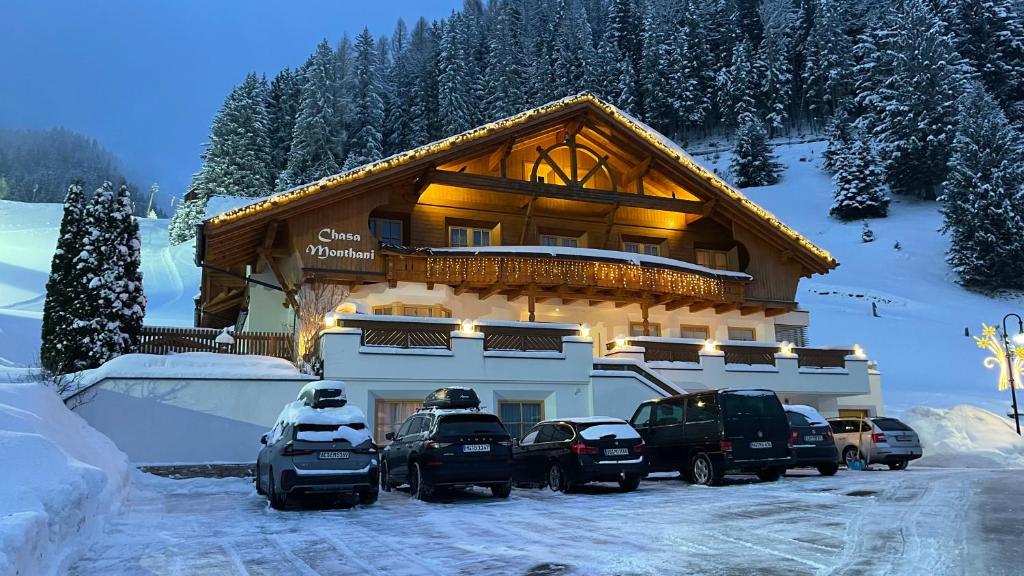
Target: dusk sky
point(146, 77)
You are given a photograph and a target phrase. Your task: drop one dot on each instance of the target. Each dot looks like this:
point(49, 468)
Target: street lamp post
point(1019, 340)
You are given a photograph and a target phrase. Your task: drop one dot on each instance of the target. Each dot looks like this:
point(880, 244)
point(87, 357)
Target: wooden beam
point(622, 304)
point(531, 305)
point(498, 157)
point(543, 155)
point(698, 306)
point(545, 190)
point(461, 288)
point(637, 171)
point(677, 304)
point(596, 302)
point(644, 308)
point(529, 217)
point(748, 310)
point(603, 160)
point(289, 291)
point(609, 223)
point(771, 312)
point(270, 235)
point(728, 307)
point(490, 291)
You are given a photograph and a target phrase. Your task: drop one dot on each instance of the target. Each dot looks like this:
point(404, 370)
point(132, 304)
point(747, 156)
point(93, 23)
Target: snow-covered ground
point(61, 479)
point(879, 522)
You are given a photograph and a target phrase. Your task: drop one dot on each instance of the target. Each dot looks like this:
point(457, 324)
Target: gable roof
point(624, 120)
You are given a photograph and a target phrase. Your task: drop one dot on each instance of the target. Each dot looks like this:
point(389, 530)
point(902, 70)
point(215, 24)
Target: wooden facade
point(576, 170)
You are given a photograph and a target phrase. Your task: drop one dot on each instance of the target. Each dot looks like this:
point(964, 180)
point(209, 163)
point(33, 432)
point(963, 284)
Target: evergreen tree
point(859, 189)
point(424, 120)
point(738, 84)
point(455, 109)
point(867, 235)
point(838, 134)
point(123, 297)
point(59, 352)
point(5, 189)
point(319, 131)
point(982, 200)
point(282, 107)
point(694, 77)
point(507, 68)
point(187, 216)
point(625, 35)
point(753, 162)
point(662, 67)
point(237, 161)
point(367, 142)
point(828, 66)
point(573, 49)
point(779, 21)
point(909, 81)
point(398, 97)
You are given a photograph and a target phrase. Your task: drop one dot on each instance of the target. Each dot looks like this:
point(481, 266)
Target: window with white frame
point(464, 236)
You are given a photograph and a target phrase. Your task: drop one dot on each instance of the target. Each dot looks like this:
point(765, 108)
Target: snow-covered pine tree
point(319, 130)
point(282, 107)
point(779, 21)
point(573, 49)
point(982, 199)
point(838, 133)
point(237, 160)
point(59, 353)
point(366, 143)
point(122, 295)
point(828, 60)
point(187, 215)
point(507, 68)
point(695, 77)
point(739, 83)
point(398, 98)
point(424, 123)
point(662, 65)
point(908, 84)
point(859, 184)
point(625, 35)
point(867, 235)
point(753, 162)
point(454, 90)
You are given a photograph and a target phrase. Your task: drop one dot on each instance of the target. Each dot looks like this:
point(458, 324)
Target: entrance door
point(389, 415)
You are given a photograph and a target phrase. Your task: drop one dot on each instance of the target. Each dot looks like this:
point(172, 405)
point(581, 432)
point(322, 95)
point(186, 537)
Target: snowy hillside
point(918, 341)
point(28, 235)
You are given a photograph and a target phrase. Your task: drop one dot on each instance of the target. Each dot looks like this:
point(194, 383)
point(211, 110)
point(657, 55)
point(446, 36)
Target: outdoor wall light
point(786, 348)
point(858, 351)
point(620, 341)
point(468, 327)
point(710, 346)
point(585, 330)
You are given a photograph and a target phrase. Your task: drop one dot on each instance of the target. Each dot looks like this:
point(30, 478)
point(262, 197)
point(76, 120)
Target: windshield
point(891, 425)
point(610, 430)
point(751, 404)
point(471, 425)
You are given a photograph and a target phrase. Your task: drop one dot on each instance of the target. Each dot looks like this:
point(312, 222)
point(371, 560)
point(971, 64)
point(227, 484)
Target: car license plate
point(760, 444)
point(616, 451)
point(903, 438)
point(814, 438)
point(336, 455)
point(476, 448)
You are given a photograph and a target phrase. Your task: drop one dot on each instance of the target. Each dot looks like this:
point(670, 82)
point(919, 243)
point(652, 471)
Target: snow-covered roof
point(590, 254)
point(223, 203)
point(656, 139)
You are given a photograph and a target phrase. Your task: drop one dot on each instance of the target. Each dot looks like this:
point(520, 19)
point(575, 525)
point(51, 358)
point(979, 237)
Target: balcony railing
point(670, 350)
point(410, 332)
point(175, 340)
point(524, 339)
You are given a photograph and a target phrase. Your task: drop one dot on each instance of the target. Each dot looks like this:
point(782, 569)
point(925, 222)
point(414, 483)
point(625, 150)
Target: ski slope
point(918, 339)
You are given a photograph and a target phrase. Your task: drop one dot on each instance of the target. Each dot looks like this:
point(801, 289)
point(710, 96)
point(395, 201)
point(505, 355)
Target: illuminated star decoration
point(990, 341)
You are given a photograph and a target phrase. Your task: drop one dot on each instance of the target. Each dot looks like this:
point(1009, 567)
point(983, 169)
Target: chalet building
point(565, 261)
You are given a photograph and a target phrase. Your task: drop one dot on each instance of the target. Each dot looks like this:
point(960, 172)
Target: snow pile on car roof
point(343, 418)
point(966, 437)
point(61, 479)
point(812, 415)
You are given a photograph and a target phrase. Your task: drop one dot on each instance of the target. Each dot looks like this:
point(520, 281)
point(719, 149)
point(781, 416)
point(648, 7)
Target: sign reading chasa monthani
point(328, 236)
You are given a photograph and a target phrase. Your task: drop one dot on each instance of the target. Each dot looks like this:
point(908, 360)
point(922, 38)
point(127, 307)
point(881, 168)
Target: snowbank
point(193, 365)
point(61, 477)
point(966, 437)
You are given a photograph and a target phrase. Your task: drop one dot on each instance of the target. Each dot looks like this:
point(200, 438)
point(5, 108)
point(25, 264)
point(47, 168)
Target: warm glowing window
point(461, 236)
point(715, 259)
point(564, 241)
point(693, 331)
point(419, 310)
point(642, 248)
point(390, 414)
point(742, 333)
point(637, 328)
point(386, 230)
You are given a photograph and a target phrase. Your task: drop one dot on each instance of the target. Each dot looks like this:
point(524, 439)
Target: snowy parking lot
point(921, 521)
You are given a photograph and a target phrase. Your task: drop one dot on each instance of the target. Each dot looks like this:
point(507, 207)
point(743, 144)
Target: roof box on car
point(324, 394)
point(452, 397)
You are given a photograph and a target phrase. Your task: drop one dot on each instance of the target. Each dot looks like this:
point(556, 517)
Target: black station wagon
point(706, 435)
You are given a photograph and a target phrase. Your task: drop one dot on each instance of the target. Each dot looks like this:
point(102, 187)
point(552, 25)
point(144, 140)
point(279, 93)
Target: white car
point(882, 441)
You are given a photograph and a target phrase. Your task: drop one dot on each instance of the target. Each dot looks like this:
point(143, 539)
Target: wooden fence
point(173, 340)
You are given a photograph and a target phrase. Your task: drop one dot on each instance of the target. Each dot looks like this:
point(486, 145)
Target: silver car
point(882, 441)
point(318, 445)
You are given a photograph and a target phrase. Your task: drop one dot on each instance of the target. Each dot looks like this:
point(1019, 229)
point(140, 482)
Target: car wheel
point(629, 483)
point(769, 474)
point(901, 465)
point(385, 477)
point(368, 497)
point(828, 469)
point(277, 501)
point(420, 490)
point(850, 455)
point(703, 471)
point(259, 487)
point(502, 490)
point(556, 478)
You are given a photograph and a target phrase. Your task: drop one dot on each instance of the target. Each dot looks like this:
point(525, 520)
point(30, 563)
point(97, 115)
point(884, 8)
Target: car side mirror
point(389, 436)
point(263, 439)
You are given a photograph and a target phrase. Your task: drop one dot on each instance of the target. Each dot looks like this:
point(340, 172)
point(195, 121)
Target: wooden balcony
point(409, 333)
point(594, 275)
point(667, 350)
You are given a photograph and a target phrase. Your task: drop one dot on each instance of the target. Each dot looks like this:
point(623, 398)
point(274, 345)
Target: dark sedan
point(811, 443)
point(568, 452)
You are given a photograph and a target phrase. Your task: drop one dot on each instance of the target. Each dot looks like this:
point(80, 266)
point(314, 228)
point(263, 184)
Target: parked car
point(706, 435)
point(449, 443)
point(319, 445)
point(882, 441)
point(564, 453)
point(811, 443)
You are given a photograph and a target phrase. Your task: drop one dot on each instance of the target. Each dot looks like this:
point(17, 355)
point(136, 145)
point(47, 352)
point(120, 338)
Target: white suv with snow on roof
point(319, 445)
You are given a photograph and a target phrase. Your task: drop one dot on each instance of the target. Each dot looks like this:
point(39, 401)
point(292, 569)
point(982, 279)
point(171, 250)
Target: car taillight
point(828, 432)
point(725, 445)
point(639, 448)
point(290, 450)
point(793, 437)
point(878, 437)
point(431, 444)
point(583, 450)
